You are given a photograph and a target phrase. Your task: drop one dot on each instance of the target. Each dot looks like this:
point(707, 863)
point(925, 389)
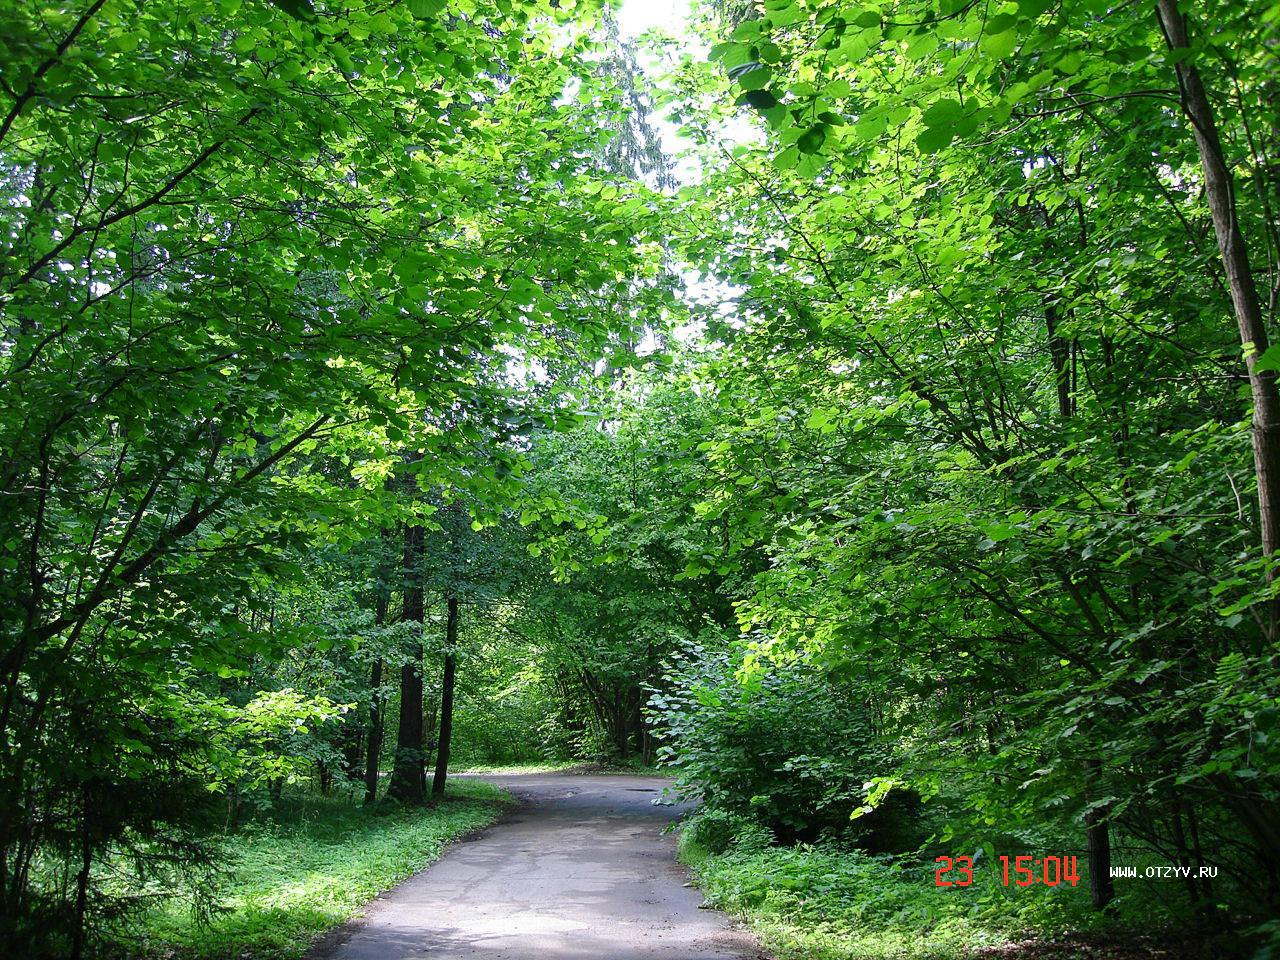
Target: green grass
point(563, 766)
point(308, 868)
point(516, 769)
point(813, 903)
point(808, 904)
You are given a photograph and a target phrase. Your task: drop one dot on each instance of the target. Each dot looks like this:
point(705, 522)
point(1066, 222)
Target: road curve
point(581, 871)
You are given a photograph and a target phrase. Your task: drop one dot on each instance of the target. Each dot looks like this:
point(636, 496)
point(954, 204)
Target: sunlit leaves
point(954, 217)
point(272, 275)
point(424, 9)
point(752, 76)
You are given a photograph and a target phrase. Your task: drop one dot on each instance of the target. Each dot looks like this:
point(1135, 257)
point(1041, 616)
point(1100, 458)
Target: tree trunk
point(645, 739)
point(1060, 358)
point(353, 752)
point(1206, 884)
point(324, 777)
point(430, 732)
point(1220, 191)
point(233, 809)
point(1098, 842)
point(373, 743)
point(82, 893)
point(621, 728)
point(408, 775)
point(1183, 851)
point(1097, 830)
point(446, 699)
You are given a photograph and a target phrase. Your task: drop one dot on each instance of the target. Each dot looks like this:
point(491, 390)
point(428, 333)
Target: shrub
point(717, 830)
point(783, 747)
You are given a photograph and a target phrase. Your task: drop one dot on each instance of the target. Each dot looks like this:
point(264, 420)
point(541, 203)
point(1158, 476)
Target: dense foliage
point(907, 480)
point(982, 408)
point(263, 266)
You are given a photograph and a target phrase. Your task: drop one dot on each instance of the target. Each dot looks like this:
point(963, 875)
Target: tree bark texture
point(446, 699)
point(1220, 193)
point(408, 776)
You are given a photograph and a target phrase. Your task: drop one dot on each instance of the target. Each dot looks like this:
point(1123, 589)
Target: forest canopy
point(900, 469)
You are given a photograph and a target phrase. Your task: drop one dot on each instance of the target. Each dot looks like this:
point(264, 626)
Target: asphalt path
point(582, 870)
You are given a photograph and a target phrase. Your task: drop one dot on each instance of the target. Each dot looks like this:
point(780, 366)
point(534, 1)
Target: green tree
point(251, 251)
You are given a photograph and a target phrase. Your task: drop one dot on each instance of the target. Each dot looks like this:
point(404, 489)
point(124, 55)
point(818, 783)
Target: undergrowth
point(306, 867)
point(815, 902)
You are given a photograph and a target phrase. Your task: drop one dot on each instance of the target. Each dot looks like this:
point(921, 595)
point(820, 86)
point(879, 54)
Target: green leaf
point(811, 140)
point(1270, 360)
point(933, 139)
point(997, 532)
point(755, 77)
point(1033, 8)
point(787, 159)
point(298, 9)
point(943, 112)
point(731, 54)
point(999, 45)
point(1070, 62)
point(758, 99)
point(770, 52)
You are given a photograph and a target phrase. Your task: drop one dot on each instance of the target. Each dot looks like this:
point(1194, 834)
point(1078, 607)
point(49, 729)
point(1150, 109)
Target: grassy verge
point(563, 766)
point(515, 769)
point(310, 866)
point(809, 903)
point(824, 906)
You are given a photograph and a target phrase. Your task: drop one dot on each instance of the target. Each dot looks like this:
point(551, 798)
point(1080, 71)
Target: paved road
point(581, 871)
